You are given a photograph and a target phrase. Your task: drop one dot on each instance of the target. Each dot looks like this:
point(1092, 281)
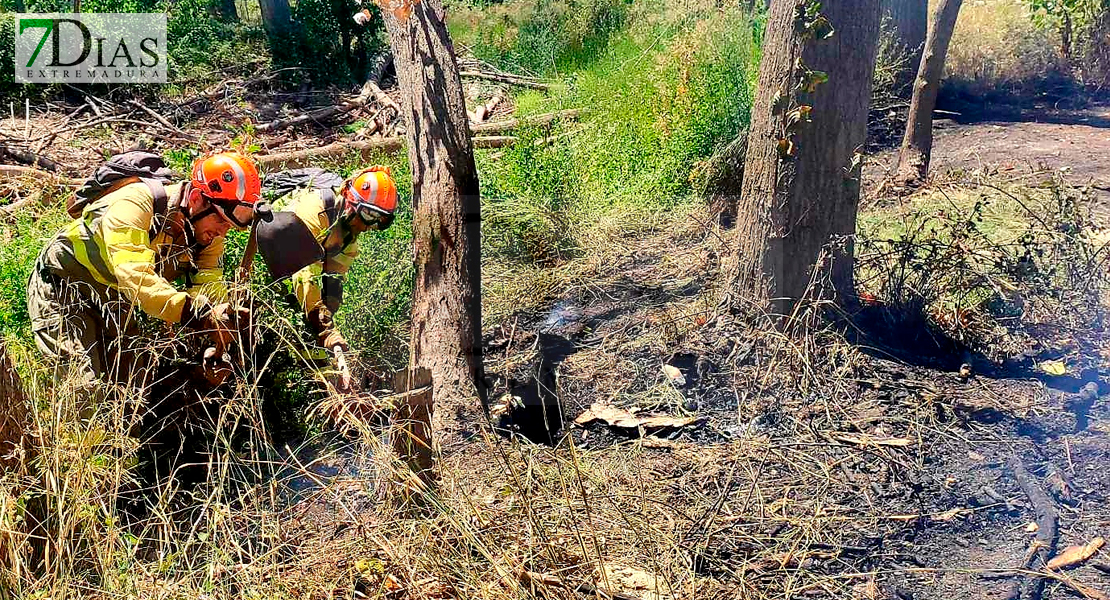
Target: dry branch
point(1030, 588)
point(535, 120)
point(509, 79)
point(157, 117)
point(364, 147)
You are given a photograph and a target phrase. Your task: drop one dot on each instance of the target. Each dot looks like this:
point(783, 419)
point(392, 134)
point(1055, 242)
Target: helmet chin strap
point(190, 219)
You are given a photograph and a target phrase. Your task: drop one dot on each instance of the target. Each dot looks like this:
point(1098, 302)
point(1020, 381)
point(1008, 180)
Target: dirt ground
point(1019, 143)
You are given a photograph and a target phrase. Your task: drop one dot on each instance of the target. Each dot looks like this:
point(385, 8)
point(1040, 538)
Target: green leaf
point(814, 79)
point(821, 28)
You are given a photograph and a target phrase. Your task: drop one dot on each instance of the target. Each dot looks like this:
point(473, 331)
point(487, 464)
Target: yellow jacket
point(340, 249)
point(110, 248)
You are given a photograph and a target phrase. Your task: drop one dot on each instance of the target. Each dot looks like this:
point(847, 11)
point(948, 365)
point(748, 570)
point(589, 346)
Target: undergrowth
point(1006, 271)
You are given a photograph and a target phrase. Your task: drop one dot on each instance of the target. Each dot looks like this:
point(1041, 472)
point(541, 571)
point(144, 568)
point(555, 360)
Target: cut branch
point(509, 79)
point(28, 158)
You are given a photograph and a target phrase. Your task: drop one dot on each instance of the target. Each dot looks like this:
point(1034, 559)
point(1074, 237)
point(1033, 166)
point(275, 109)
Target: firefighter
point(122, 255)
point(313, 239)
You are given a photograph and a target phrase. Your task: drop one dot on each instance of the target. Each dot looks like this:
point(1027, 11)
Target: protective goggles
point(374, 217)
point(238, 213)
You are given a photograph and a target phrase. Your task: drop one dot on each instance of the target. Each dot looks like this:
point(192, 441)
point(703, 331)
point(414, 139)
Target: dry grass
point(996, 49)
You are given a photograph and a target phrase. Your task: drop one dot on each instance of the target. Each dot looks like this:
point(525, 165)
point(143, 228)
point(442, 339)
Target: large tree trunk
point(800, 190)
point(910, 19)
point(275, 18)
point(228, 11)
point(917, 145)
point(447, 299)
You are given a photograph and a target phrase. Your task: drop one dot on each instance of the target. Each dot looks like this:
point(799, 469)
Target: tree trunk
point(917, 145)
point(910, 19)
point(228, 11)
point(800, 189)
point(447, 299)
point(15, 416)
point(275, 18)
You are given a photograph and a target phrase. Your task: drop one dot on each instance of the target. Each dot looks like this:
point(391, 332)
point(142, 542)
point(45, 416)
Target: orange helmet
point(372, 195)
point(230, 182)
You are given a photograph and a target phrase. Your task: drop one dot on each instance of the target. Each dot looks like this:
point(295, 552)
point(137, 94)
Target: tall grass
point(997, 51)
point(661, 98)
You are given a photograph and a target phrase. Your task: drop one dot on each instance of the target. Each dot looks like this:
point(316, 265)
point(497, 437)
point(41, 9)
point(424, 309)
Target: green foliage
point(656, 114)
point(18, 252)
point(546, 36)
point(200, 42)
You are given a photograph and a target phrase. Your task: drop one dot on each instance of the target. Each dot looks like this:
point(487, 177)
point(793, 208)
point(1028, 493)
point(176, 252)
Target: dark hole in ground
point(538, 416)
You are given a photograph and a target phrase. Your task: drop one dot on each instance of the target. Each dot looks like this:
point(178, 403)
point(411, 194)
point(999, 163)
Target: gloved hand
point(214, 367)
point(331, 338)
point(319, 319)
point(200, 314)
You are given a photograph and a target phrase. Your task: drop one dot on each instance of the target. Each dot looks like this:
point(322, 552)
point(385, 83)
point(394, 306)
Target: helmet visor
point(239, 214)
point(374, 217)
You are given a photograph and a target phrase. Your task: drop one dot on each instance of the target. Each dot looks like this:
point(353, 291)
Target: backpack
point(285, 243)
point(284, 183)
point(120, 170)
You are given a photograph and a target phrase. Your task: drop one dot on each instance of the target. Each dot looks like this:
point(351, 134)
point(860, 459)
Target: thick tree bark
point(15, 416)
point(910, 19)
point(275, 18)
point(917, 145)
point(800, 191)
point(447, 299)
point(228, 11)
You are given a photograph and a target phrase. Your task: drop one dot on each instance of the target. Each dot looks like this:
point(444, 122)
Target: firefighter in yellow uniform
point(123, 254)
point(313, 239)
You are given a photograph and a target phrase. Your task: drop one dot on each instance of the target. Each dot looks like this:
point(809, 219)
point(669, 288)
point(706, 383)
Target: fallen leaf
point(1054, 367)
point(1074, 555)
point(863, 439)
point(674, 374)
point(618, 417)
point(1031, 527)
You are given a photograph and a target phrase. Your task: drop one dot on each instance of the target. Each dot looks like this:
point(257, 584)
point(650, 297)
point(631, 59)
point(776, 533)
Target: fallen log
point(509, 79)
point(534, 120)
point(27, 157)
point(300, 158)
point(1043, 547)
point(20, 171)
point(483, 112)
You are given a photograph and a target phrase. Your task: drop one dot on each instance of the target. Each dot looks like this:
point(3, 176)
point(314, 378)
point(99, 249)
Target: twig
point(582, 588)
point(17, 171)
